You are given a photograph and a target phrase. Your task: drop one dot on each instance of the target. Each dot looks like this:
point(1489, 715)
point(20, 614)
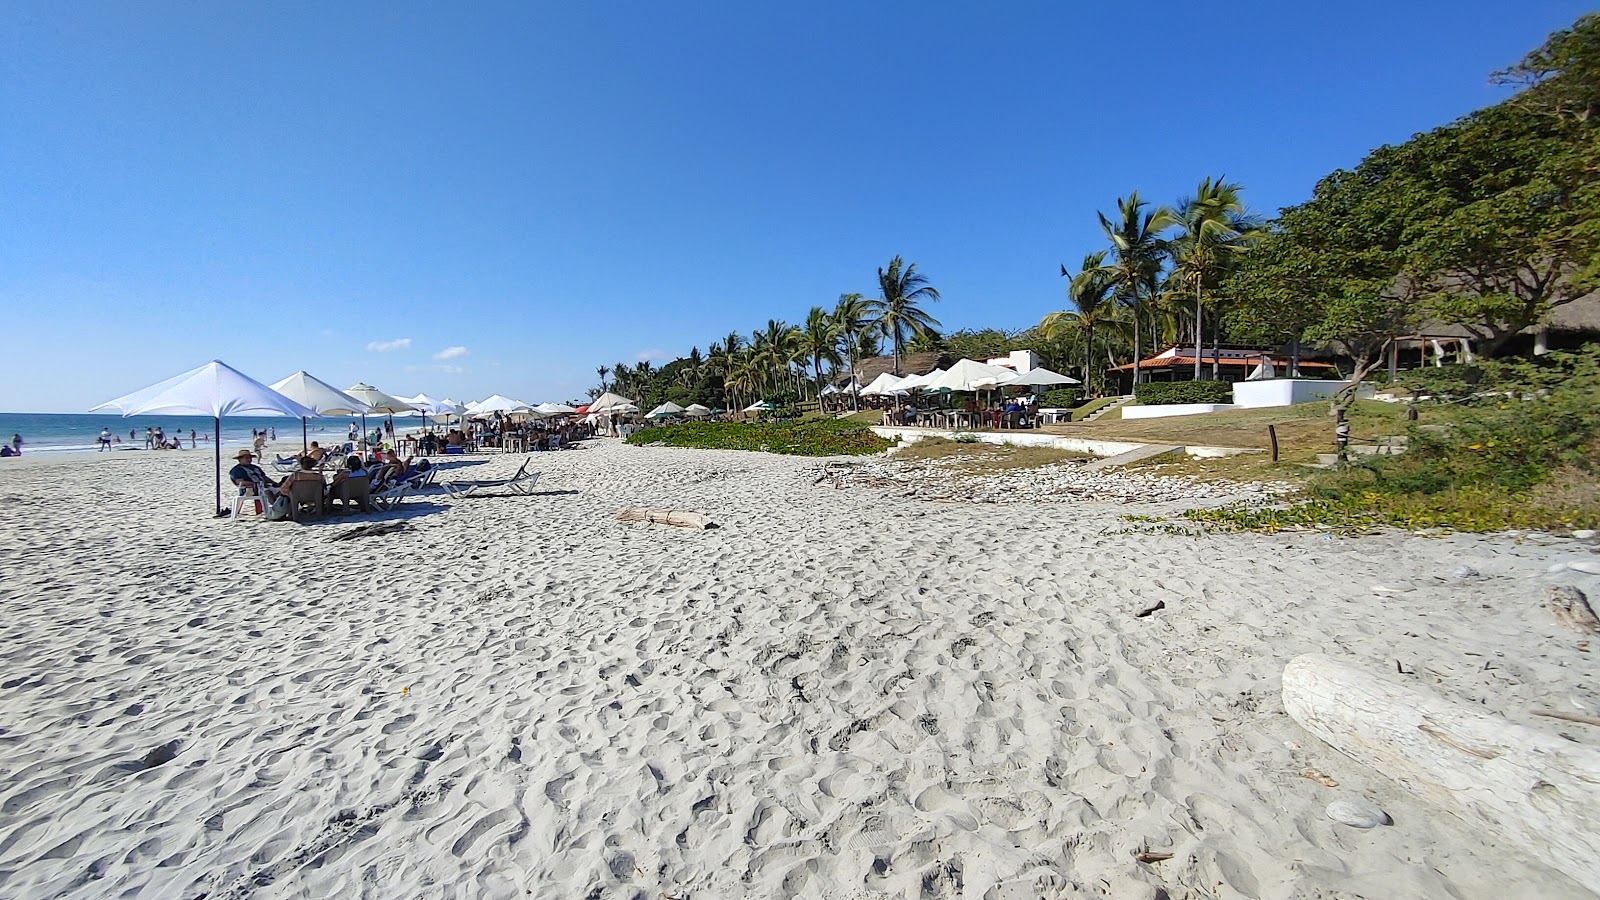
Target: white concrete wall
point(1289, 391)
point(909, 436)
point(1162, 410)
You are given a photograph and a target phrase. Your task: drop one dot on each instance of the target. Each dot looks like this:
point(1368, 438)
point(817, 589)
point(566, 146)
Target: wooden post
point(1272, 435)
point(1537, 792)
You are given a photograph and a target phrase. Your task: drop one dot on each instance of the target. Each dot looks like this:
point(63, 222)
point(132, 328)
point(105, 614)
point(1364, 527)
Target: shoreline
point(838, 692)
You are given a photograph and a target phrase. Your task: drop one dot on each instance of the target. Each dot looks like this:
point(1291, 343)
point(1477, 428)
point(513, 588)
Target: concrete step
point(1133, 456)
point(1121, 402)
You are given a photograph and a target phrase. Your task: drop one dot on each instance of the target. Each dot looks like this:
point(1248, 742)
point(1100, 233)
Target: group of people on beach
point(381, 468)
point(14, 448)
point(155, 438)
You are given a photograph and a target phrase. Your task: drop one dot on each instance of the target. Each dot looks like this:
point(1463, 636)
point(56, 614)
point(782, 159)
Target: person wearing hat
point(249, 477)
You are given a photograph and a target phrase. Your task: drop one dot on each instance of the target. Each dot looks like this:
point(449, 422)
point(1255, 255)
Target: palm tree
point(603, 371)
point(896, 312)
point(1214, 230)
point(820, 340)
point(1138, 251)
point(1091, 292)
point(622, 378)
point(850, 320)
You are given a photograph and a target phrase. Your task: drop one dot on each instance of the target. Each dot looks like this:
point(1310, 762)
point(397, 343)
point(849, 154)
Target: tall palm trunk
point(1199, 331)
point(1136, 342)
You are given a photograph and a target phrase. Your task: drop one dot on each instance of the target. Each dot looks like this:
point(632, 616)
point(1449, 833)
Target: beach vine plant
point(807, 437)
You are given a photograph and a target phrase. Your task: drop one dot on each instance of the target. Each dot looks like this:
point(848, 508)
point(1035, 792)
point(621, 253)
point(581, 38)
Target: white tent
point(664, 410)
point(695, 409)
point(882, 386)
point(320, 396)
point(969, 375)
point(500, 403)
point(1040, 378)
point(214, 389)
point(377, 402)
point(613, 403)
point(918, 382)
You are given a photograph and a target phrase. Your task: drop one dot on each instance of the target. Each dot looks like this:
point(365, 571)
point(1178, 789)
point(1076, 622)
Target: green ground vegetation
point(796, 437)
point(979, 458)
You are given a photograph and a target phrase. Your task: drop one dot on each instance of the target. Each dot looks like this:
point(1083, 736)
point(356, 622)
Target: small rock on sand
point(1358, 813)
point(1465, 572)
point(1583, 534)
point(1585, 566)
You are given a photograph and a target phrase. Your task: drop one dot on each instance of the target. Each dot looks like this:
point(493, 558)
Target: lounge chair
point(520, 483)
point(388, 498)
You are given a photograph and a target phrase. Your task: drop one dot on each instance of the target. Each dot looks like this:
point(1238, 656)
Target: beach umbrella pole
point(217, 450)
point(304, 447)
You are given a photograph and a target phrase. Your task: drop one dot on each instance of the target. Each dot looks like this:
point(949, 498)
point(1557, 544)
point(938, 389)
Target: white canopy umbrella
point(1040, 378)
point(377, 402)
point(760, 406)
point(882, 386)
point(666, 409)
point(554, 409)
point(969, 375)
point(214, 389)
point(316, 394)
point(695, 409)
point(919, 382)
point(498, 403)
point(613, 403)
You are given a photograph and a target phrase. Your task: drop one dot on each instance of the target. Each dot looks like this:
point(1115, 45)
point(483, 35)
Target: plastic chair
point(259, 502)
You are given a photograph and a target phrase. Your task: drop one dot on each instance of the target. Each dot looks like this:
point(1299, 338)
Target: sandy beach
point(839, 693)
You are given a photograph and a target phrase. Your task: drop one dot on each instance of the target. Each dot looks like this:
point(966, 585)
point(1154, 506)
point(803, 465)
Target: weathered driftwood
point(1571, 609)
point(1541, 794)
point(677, 517)
point(1568, 717)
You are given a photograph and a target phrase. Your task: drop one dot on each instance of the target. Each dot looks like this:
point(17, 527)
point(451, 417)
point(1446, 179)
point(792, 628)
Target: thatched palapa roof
point(910, 364)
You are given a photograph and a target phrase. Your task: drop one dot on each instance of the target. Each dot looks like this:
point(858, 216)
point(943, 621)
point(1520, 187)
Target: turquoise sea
point(70, 432)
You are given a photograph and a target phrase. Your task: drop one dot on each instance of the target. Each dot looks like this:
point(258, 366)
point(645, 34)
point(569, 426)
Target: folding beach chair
point(520, 483)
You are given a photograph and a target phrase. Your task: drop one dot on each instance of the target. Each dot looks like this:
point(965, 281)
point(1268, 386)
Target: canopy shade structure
point(554, 409)
point(499, 403)
point(918, 382)
point(760, 406)
point(377, 401)
point(1041, 378)
point(609, 403)
point(664, 410)
point(316, 394)
point(885, 384)
point(969, 375)
point(695, 409)
point(214, 389)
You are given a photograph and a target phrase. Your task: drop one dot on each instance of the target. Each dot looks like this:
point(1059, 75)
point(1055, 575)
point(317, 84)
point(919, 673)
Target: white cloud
point(451, 353)
point(437, 369)
point(652, 354)
point(386, 346)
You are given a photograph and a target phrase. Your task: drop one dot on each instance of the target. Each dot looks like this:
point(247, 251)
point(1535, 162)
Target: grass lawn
point(981, 457)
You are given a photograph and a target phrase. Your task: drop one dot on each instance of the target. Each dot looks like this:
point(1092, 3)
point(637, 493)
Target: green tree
point(820, 342)
point(603, 371)
point(1214, 230)
point(1562, 77)
point(850, 322)
point(1137, 254)
point(1091, 290)
point(896, 311)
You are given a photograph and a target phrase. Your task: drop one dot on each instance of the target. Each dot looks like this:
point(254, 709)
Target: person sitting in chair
point(306, 472)
point(316, 453)
point(250, 479)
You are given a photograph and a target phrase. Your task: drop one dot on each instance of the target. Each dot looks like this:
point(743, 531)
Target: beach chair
point(357, 490)
point(390, 497)
point(520, 483)
point(252, 501)
point(306, 500)
point(286, 463)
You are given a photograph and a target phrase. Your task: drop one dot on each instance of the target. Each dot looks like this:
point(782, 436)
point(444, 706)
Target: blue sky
point(499, 197)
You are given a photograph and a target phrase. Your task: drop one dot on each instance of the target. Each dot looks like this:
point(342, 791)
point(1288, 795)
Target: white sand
point(841, 693)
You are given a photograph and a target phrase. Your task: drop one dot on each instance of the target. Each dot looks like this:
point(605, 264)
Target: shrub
point(1061, 398)
point(1161, 393)
point(803, 437)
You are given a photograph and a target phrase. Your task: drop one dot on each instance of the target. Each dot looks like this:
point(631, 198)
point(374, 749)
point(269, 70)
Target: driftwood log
point(1540, 793)
point(676, 517)
point(1571, 608)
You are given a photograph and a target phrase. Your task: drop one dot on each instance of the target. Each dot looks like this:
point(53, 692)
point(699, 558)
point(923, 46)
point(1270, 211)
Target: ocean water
point(72, 432)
